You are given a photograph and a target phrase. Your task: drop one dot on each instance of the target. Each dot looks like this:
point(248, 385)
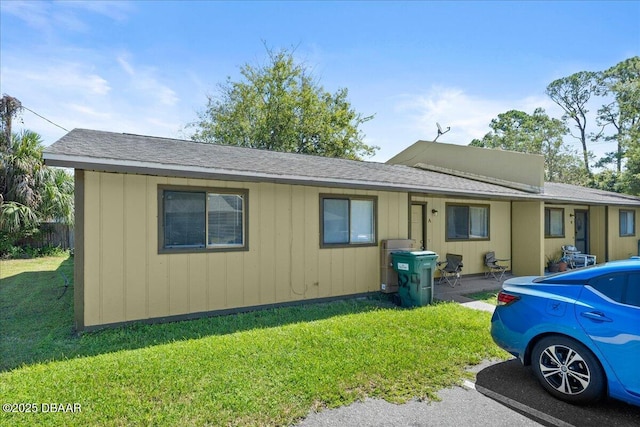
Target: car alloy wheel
point(567, 369)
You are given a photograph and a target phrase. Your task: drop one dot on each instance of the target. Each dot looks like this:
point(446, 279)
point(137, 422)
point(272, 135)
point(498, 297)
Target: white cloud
point(58, 77)
point(467, 115)
point(125, 65)
point(120, 97)
point(143, 80)
point(64, 15)
point(87, 111)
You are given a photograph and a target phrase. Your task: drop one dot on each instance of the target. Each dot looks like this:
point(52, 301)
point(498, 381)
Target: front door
point(418, 228)
point(581, 224)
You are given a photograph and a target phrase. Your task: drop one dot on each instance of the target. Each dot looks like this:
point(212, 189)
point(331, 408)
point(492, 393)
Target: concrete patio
point(467, 285)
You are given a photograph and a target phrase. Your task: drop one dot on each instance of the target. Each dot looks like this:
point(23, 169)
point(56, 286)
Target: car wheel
point(568, 370)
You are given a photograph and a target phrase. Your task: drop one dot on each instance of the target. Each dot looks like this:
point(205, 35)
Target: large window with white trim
point(346, 220)
point(196, 219)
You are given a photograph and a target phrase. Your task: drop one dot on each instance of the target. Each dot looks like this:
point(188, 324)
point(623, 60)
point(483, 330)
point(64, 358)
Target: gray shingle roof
point(116, 152)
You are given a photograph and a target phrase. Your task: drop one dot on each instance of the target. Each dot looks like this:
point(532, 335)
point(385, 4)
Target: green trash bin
point(415, 277)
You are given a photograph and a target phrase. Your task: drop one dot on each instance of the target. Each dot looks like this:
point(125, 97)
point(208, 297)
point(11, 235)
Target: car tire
point(568, 370)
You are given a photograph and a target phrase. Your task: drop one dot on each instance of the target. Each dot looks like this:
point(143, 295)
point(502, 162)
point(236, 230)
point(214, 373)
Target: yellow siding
point(472, 251)
point(135, 254)
point(157, 271)
point(621, 247)
point(553, 246)
point(597, 227)
point(112, 239)
point(92, 249)
point(528, 238)
point(125, 278)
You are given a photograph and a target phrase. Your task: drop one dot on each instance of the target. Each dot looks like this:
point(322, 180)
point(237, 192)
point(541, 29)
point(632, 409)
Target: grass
point(490, 297)
point(268, 367)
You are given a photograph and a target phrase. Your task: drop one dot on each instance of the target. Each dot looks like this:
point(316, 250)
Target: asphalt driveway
point(504, 394)
point(515, 386)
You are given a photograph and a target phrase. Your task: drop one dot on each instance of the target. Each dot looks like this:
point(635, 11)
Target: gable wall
point(124, 278)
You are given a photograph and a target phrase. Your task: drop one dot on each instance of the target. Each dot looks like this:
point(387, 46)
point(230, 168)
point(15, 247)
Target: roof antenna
point(440, 131)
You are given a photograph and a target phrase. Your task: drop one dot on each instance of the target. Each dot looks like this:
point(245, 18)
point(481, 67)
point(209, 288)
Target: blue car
point(579, 330)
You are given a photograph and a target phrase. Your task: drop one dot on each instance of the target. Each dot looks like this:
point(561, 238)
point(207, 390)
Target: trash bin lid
point(421, 253)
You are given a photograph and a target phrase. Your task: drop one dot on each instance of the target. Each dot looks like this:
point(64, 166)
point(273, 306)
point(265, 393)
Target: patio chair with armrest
point(576, 258)
point(496, 270)
point(450, 270)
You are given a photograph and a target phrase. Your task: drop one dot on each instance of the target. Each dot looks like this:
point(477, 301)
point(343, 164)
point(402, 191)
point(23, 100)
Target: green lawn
point(490, 297)
point(268, 367)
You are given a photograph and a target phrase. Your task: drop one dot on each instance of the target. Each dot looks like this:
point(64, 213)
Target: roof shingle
point(116, 152)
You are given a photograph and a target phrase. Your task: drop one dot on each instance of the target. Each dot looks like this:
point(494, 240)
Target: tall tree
point(572, 95)
point(621, 85)
point(279, 106)
point(29, 191)
point(9, 108)
point(537, 134)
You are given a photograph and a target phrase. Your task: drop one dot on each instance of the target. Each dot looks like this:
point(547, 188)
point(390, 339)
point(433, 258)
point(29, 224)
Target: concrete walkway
point(469, 285)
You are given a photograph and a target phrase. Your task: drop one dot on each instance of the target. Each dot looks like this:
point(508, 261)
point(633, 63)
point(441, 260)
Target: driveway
point(515, 386)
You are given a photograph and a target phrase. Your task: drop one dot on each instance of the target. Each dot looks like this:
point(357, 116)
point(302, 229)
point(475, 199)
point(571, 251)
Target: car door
point(608, 309)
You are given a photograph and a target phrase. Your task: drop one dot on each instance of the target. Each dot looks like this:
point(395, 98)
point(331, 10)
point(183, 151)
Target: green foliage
point(536, 134)
point(630, 179)
point(32, 192)
point(572, 94)
point(269, 367)
point(619, 88)
point(621, 84)
point(280, 107)
point(607, 180)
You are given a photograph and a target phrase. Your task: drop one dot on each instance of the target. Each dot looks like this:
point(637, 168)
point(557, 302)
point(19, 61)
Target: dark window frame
point(244, 193)
point(633, 216)
point(547, 224)
point(349, 198)
point(468, 237)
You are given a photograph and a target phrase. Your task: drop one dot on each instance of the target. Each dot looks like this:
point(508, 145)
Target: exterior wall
point(473, 251)
point(553, 245)
point(122, 277)
point(598, 232)
point(514, 167)
point(621, 247)
point(528, 244)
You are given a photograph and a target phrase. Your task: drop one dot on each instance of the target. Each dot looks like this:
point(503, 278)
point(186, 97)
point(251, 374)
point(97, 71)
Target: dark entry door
point(581, 223)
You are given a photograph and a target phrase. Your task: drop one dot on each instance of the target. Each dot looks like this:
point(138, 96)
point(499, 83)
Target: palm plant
point(31, 192)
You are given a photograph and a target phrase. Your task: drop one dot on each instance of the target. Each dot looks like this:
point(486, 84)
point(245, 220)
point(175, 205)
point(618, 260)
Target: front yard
point(269, 367)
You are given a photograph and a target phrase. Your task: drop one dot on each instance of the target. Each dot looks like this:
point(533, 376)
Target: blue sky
point(145, 67)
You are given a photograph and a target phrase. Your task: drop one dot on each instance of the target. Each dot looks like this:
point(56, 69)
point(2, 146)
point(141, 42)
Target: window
point(467, 222)
point(194, 219)
point(553, 222)
point(347, 221)
point(611, 285)
point(627, 223)
point(622, 288)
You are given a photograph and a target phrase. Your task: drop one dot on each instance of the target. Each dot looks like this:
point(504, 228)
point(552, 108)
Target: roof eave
point(160, 169)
